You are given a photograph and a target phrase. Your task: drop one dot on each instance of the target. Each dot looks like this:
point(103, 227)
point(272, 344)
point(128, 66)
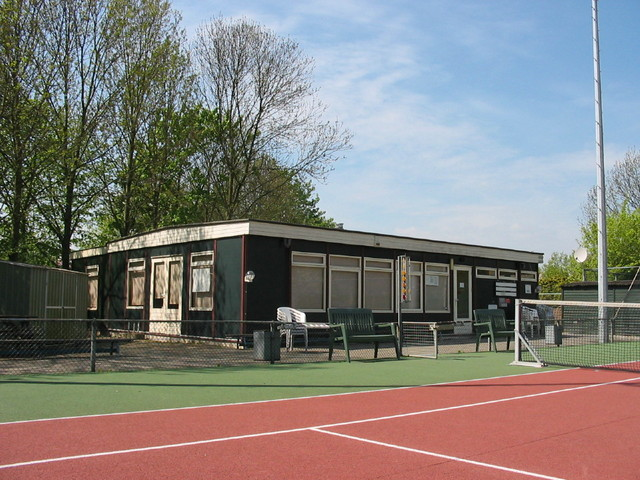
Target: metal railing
point(614, 273)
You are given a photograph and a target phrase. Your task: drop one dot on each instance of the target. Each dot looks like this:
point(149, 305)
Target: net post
point(92, 366)
point(517, 330)
point(603, 324)
point(435, 341)
point(400, 330)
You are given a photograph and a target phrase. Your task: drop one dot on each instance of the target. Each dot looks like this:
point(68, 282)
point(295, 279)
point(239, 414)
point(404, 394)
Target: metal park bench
point(356, 325)
point(492, 324)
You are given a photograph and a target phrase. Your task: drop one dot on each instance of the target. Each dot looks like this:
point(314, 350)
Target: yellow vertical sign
point(405, 270)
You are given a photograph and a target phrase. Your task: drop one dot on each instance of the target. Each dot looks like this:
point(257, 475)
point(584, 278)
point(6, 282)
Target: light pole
point(603, 286)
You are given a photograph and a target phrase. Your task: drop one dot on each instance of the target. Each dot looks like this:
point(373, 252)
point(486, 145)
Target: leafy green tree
point(152, 75)
point(23, 127)
point(290, 200)
point(79, 56)
point(623, 239)
point(100, 136)
point(560, 269)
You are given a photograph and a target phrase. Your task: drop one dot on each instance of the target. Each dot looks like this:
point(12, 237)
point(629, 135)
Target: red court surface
point(570, 424)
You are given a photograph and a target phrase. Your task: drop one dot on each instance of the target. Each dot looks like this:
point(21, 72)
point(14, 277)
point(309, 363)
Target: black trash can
point(266, 345)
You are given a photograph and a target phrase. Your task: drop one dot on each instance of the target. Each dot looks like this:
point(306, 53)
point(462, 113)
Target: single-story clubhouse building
point(246, 269)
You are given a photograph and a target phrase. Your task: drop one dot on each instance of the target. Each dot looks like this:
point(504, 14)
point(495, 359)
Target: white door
point(462, 308)
point(166, 295)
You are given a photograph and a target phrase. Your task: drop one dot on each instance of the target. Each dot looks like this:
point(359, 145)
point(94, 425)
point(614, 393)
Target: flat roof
point(235, 228)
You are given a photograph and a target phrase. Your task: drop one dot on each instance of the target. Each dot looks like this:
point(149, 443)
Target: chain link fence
point(38, 346)
point(35, 346)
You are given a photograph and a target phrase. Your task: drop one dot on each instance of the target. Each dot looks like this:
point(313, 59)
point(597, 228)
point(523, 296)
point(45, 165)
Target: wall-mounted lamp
point(249, 276)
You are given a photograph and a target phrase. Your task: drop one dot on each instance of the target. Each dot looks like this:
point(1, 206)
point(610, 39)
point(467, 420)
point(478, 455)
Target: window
point(159, 284)
point(92, 273)
point(135, 283)
point(506, 274)
point(528, 276)
point(308, 281)
point(202, 281)
point(378, 284)
point(486, 272)
point(175, 284)
point(344, 281)
point(436, 281)
point(415, 286)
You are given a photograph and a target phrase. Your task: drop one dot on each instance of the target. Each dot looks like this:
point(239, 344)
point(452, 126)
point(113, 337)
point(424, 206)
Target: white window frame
point(486, 272)
point(335, 267)
point(443, 273)
point(416, 272)
point(528, 276)
point(379, 265)
point(297, 260)
point(93, 274)
point(135, 265)
point(507, 274)
point(200, 265)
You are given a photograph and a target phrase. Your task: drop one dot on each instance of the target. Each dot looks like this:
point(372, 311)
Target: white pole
point(601, 197)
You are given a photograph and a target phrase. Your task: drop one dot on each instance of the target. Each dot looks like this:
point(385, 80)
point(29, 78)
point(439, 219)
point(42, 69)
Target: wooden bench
point(491, 323)
point(356, 325)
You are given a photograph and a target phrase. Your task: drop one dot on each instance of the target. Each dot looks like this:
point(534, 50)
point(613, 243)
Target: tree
point(257, 90)
point(623, 225)
point(623, 240)
point(23, 128)
point(623, 216)
point(625, 180)
point(152, 76)
point(100, 136)
point(294, 201)
point(622, 189)
point(557, 271)
point(79, 56)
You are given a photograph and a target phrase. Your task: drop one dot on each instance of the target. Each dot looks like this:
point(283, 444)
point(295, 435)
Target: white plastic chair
point(293, 323)
point(531, 319)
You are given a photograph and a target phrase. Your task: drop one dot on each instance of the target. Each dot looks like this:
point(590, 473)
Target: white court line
point(311, 428)
point(439, 455)
point(150, 449)
point(288, 399)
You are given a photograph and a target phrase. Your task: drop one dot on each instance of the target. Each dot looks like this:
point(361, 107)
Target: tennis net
point(578, 334)
point(419, 339)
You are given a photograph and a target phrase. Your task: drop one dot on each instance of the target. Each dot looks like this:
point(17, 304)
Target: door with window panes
point(462, 304)
point(165, 310)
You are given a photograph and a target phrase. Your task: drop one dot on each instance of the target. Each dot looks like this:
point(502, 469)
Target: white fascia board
point(178, 235)
point(169, 236)
point(391, 242)
point(212, 231)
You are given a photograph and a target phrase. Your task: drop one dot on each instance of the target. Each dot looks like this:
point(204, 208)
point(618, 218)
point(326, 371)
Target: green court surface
point(51, 396)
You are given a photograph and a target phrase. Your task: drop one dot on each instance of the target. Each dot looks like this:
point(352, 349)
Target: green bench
point(491, 323)
point(356, 325)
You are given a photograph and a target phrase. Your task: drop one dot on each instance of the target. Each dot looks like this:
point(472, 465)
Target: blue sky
point(472, 120)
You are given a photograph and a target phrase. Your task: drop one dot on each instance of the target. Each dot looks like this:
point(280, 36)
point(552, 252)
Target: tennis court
point(554, 424)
